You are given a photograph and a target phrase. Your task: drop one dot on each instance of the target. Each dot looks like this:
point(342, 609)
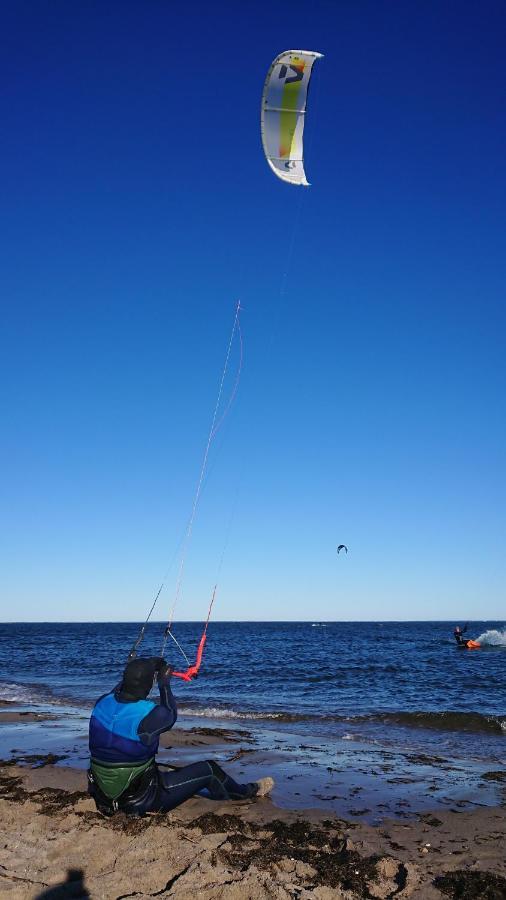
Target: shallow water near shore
point(368, 720)
point(353, 779)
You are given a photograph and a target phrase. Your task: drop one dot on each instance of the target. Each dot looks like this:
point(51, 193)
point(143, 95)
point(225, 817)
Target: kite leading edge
point(283, 111)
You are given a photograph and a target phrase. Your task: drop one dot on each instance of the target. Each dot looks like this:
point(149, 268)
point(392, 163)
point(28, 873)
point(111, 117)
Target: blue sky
point(137, 207)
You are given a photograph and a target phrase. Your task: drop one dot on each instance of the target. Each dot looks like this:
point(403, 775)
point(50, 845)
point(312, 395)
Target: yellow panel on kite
point(283, 112)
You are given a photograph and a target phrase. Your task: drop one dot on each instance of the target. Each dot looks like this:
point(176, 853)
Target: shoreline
point(345, 776)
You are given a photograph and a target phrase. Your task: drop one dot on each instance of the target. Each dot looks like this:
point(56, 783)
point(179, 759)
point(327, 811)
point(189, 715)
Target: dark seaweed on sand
point(464, 885)
point(266, 845)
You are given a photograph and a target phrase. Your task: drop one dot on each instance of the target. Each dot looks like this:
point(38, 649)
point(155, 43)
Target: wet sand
point(51, 837)
point(18, 717)
point(351, 778)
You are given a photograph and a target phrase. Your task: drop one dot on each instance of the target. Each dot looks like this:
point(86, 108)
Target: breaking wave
point(35, 695)
point(214, 712)
point(16, 693)
point(440, 721)
point(447, 721)
point(471, 722)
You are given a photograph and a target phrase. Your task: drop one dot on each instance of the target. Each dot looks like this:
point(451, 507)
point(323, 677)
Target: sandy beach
point(54, 844)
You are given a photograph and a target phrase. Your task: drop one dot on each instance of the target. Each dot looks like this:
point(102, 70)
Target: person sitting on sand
point(125, 728)
point(458, 634)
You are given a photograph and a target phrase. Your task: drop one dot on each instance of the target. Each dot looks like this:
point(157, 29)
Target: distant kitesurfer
point(125, 728)
point(458, 634)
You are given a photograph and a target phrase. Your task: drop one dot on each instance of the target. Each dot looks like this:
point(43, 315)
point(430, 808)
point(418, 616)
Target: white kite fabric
point(283, 112)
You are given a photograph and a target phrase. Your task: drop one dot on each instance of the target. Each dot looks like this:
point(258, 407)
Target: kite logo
point(297, 76)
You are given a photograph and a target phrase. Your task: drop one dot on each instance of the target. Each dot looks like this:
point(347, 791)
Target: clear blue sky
point(137, 207)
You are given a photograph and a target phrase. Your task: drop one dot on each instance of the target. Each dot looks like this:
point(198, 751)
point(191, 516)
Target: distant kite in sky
point(342, 547)
point(283, 113)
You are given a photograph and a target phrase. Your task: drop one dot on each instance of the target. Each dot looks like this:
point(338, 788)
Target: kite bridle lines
point(216, 424)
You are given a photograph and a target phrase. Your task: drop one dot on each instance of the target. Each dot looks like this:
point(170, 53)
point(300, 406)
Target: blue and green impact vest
point(117, 753)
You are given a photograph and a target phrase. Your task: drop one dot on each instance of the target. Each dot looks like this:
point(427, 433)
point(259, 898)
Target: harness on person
point(136, 787)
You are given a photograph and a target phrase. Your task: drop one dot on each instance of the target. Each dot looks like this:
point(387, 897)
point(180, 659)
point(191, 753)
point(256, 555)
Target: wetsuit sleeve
point(161, 718)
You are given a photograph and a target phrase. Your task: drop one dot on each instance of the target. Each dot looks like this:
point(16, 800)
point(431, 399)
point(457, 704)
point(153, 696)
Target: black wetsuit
point(124, 736)
point(459, 636)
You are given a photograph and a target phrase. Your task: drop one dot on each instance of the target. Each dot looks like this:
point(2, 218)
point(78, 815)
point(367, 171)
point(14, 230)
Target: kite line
point(216, 423)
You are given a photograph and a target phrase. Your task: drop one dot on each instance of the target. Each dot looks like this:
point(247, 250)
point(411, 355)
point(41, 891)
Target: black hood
point(137, 679)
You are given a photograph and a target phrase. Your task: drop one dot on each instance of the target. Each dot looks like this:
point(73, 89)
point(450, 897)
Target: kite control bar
point(192, 671)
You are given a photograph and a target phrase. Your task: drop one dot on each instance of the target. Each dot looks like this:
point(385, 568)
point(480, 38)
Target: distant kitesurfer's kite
point(342, 547)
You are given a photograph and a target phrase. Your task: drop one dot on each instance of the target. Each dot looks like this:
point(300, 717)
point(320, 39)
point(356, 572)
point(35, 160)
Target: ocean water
point(362, 698)
point(325, 674)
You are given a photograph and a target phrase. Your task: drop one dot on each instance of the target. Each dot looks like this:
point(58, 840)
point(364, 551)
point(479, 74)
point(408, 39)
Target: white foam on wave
point(494, 638)
point(15, 693)
point(213, 712)
point(31, 695)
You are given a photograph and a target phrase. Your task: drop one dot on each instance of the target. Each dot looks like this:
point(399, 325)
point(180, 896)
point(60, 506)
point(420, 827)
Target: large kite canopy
point(283, 112)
